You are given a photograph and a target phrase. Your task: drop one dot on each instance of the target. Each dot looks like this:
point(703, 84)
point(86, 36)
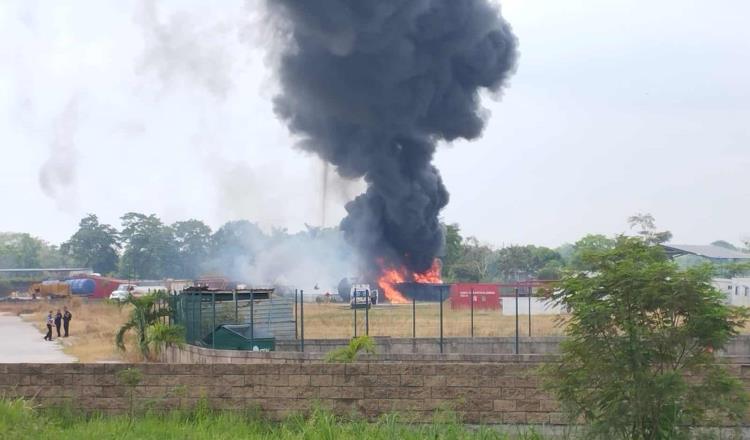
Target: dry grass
point(92, 329)
point(337, 321)
point(95, 323)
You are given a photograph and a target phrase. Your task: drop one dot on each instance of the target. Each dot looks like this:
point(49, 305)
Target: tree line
point(147, 248)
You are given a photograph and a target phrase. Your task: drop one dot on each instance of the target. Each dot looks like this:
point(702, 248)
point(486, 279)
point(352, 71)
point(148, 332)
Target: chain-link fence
point(254, 314)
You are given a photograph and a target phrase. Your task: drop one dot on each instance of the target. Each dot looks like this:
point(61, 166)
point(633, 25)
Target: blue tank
point(82, 286)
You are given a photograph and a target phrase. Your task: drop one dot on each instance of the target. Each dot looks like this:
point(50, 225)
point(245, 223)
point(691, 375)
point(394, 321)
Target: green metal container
point(239, 337)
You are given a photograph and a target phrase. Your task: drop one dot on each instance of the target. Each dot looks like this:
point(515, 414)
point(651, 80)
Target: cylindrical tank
point(82, 286)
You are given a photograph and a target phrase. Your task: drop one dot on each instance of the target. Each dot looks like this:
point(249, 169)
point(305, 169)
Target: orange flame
point(390, 277)
point(431, 275)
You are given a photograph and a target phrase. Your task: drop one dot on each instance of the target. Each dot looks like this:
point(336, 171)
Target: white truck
point(123, 291)
point(361, 296)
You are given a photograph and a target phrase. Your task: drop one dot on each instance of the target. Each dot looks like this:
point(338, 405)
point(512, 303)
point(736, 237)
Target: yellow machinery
point(50, 289)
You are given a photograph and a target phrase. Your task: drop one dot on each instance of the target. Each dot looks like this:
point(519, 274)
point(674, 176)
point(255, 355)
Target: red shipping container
point(486, 296)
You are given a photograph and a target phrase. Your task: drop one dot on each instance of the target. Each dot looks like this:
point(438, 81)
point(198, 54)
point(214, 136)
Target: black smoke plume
point(371, 87)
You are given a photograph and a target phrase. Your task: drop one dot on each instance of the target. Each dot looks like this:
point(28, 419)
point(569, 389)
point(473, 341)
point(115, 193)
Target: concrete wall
point(479, 345)
point(198, 355)
point(490, 393)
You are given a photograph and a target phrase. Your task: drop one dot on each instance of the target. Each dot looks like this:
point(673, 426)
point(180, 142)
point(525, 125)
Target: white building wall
point(538, 307)
point(737, 290)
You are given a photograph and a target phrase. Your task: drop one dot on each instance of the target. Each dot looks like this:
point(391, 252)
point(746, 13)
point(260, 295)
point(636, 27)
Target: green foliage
point(647, 229)
point(21, 250)
point(162, 335)
point(725, 245)
point(521, 262)
point(475, 262)
point(20, 421)
point(639, 327)
point(149, 247)
point(591, 244)
point(144, 320)
point(94, 245)
point(349, 353)
point(453, 250)
point(193, 241)
point(131, 378)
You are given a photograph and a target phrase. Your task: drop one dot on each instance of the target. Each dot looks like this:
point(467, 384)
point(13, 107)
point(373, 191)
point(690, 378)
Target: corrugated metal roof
point(707, 251)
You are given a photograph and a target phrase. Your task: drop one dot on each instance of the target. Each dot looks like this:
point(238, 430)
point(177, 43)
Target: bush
point(350, 352)
point(639, 359)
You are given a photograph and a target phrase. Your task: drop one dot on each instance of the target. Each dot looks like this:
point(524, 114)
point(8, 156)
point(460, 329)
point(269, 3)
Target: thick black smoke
point(371, 86)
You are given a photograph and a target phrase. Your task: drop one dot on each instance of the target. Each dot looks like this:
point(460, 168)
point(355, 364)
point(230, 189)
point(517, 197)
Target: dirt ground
point(92, 329)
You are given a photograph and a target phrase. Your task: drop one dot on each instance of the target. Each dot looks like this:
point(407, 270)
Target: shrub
point(639, 361)
point(350, 352)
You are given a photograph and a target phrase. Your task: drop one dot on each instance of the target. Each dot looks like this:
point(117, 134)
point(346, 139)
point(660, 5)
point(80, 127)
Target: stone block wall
point(490, 393)
point(486, 393)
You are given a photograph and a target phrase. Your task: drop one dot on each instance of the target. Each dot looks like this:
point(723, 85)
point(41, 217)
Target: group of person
point(60, 318)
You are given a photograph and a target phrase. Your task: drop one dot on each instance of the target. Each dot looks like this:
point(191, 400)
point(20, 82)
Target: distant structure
point(716, 254)
point(736, 289)
point(42, 273)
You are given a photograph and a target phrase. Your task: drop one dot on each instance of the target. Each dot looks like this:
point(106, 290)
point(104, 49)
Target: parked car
point(122, 292)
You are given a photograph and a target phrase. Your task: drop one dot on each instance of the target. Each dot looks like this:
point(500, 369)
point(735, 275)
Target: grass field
point(19, 420)
point(95, 323)
point(337, 321)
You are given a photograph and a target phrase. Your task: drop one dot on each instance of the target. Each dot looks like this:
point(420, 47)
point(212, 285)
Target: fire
point(431, 275)
point(390, 277)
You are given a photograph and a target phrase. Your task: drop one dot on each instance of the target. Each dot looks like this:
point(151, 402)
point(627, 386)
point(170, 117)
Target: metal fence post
point(472, 312)
point(367, 315)
point(296, 336)
point(236, 311)
point(530, 291)
point(516, 341)
point(200, 315)
point(191, 323)
point(354, 308)
point(414, 319)
point(213, 324)
point(441, 320)
point(252, 317)
point(302, 317)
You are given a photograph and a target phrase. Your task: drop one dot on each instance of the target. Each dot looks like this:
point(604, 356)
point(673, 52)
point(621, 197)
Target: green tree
point(21, 250)
point(94, 245)
point(647, 228)
point(150, 247)
point(193, 242)
point(516, 262)
point(236, 243)
point(586, 246)
point(475, 263)
point(725, 245)
point(145, 320)
point(453, 250)
point(639, 325)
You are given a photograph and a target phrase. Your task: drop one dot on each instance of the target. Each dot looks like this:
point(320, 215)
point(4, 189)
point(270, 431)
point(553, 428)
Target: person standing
point(58, 321)
point(66, 317)
point(50, 321)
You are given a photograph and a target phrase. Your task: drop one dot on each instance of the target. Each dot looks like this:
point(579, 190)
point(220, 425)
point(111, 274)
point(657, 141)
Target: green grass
point(20, 420)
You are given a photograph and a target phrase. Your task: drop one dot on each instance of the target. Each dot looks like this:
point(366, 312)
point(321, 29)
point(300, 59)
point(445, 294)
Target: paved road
point(21, 342)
